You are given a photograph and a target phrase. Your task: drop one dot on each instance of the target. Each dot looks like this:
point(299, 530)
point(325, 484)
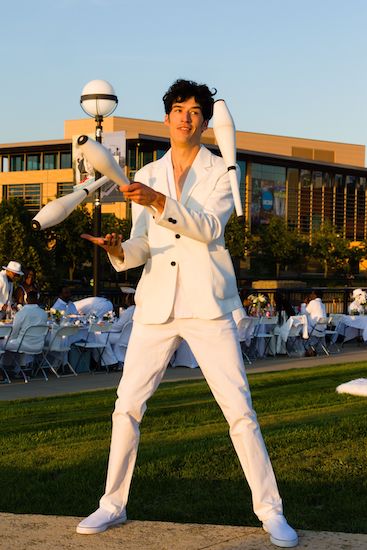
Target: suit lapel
point(197, 173)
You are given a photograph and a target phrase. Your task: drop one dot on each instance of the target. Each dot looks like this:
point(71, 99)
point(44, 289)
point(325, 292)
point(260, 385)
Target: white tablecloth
point(351, 326)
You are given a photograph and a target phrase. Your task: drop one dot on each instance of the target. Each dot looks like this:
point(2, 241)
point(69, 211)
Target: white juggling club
point(58, 210)
point(225, 135)
point(102, 160)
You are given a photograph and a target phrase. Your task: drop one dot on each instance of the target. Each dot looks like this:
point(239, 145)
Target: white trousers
point(215, 346)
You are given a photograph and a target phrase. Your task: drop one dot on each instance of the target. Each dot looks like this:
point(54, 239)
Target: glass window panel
point(328, 198)
point(65, 160)
point(131, 158)
point(242, 165)
point(5, 164)
point(30, 193)
point(305, 201)
point(350, 183)
point(16, 163)
point(339, 202)
point(64, 188)
point(317, 203)
point(34, 162)
point(49, 161)
point(292, 206)
point(268, 193)
point(361, 209)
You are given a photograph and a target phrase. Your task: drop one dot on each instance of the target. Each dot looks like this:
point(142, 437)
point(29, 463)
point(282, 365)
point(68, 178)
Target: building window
point(292, 203)
point(34, 162)
point(64, 188)
point(242, 165)
point(5, 164)
point(268, 193)
point(339, 209)
point(49, 161)
point(29, 192)
point(65, 160)
point(16, 163)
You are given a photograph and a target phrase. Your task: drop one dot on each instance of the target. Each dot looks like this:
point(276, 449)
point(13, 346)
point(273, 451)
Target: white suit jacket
point(187, 236)
point(29, 315)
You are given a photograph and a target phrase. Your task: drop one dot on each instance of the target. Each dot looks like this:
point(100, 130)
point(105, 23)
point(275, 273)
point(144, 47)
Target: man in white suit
point(187, 291)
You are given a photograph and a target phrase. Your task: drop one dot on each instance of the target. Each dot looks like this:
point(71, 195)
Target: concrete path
point(91, 382)
point(22, 532)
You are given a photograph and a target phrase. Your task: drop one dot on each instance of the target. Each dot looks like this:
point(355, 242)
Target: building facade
point(307, 182)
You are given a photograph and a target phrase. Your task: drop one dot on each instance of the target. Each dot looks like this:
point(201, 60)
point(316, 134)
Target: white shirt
point(314, 310)
point(180, 309)
point(68, 307)
point(6, 288)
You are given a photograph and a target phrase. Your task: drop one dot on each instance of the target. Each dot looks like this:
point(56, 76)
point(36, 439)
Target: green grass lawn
point(54, 453)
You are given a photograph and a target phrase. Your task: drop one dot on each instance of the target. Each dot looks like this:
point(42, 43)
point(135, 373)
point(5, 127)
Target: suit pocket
point(224, 280)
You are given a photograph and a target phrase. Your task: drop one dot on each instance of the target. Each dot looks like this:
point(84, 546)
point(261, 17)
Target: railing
point(336, 300)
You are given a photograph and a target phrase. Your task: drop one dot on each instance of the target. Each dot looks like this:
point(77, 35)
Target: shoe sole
point(284, 543)
point(94, 530)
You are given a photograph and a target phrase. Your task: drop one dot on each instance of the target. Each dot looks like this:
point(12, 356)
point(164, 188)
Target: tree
point(279, 244)
point(71, 251)
point(237, 238)
point(18, 241)
point(330, 248)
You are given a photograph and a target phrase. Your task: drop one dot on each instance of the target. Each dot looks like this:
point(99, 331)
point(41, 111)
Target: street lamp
point(98, 100)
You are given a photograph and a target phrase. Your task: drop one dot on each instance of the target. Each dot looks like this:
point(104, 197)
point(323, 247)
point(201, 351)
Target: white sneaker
point(99, 521)
point(281, 534)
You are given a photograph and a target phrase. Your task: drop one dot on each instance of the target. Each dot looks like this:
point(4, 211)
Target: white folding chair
point(246, 328)
point(55, 352)
point(316, 337)
point(263, 335)
point(294, 340)
point(5, 332)
point(332, 332)
point(97, 339)
point(31, 344)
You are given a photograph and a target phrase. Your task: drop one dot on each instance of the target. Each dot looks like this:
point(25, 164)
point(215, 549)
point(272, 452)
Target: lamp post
point(98, 100)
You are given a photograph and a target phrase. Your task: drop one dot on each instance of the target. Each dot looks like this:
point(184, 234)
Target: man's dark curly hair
point(181, 90)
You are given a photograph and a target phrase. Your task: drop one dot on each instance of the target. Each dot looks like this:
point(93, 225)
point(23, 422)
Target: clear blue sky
point(286, 67)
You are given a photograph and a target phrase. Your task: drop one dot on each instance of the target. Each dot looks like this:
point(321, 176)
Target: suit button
point(173, 263)
point(178, 236)
point(171, 220)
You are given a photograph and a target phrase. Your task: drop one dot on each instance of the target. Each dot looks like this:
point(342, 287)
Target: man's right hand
point(111, 243)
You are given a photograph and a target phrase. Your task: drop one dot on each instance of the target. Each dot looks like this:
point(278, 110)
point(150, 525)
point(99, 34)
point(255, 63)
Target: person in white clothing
point(187, 292)
point(30, 315)
point(64, 303)
point(8, 275)
point(314, 308)
point(359, 304)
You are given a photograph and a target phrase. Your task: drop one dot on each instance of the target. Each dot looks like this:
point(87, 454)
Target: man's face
point(186, 122)
point(11, 275)
point(65, 294)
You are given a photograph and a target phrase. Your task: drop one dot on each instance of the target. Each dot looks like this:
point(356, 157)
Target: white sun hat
point(15, 267)
point(357, 292)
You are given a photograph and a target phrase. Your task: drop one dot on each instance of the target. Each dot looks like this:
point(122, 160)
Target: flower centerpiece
point(359, 305)
point(259, 306)
point(57, 314)
point(109, 317)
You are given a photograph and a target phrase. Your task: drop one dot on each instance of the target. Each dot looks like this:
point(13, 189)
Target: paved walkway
point(91, 382)
point(22, 532)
